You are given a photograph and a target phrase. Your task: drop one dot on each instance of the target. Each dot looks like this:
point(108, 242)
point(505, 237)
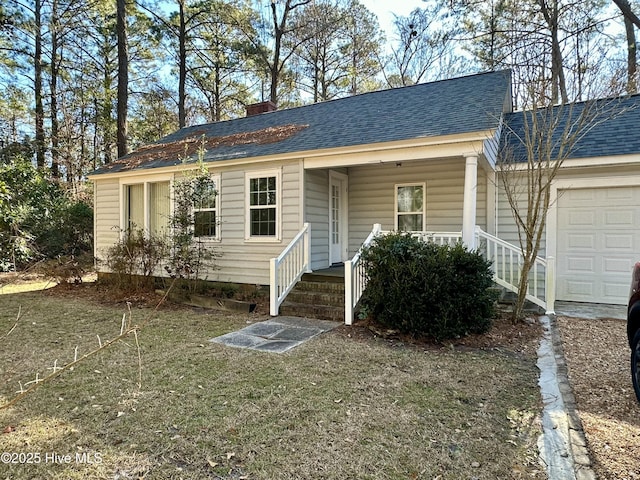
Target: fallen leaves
point(188, 146)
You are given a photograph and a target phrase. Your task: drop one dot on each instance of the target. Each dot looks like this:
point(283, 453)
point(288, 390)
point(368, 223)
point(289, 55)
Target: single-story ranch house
point(300, 190)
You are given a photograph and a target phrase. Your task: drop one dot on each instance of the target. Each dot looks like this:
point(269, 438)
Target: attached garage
point(598, 241)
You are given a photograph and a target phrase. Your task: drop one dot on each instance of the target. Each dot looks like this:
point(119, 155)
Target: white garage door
point(598, 243)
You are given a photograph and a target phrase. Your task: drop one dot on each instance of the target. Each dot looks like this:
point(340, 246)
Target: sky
point(385, 9)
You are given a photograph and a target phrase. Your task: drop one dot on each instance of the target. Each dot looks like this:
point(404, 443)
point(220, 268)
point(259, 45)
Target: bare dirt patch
point(521, 338)
point(597, 355)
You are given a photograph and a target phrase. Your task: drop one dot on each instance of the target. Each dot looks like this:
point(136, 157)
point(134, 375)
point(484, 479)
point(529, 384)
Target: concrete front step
point(322, 312)
point(320, 287)
point(313, 297)
point(316, 296)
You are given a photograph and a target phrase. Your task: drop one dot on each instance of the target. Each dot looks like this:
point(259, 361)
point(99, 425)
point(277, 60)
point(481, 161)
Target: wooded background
point(82, 82)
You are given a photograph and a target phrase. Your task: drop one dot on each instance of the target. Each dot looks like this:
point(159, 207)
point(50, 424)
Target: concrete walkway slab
point(278, 335)
point(591, 311)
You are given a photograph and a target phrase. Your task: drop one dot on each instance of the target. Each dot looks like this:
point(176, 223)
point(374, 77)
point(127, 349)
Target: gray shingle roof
point(610, 128)
point(461, 105)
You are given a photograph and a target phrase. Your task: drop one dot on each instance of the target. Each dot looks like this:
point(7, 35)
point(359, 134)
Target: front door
point(337, 217)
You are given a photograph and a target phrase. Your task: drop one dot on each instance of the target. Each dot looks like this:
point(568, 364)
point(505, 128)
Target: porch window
point(410, 207)
point(205, 211)
point(263, 204)
point(147, 207)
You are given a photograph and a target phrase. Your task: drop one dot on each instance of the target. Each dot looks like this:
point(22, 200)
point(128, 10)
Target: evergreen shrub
point(423, 288)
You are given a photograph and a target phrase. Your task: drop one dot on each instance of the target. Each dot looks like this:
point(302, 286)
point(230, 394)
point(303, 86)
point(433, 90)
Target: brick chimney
point(262, 107)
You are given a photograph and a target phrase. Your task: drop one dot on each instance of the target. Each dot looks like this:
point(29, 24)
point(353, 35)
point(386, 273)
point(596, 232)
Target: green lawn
point(334, 408)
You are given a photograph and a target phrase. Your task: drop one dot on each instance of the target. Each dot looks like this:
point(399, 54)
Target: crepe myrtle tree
point(535, 145)
point(190, 253)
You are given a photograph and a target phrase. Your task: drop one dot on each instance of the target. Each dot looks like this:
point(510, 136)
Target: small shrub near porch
point(419, 287)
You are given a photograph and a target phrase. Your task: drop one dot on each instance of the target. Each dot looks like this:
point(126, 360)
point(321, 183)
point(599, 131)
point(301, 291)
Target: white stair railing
point(355, 280)
point(507, 263)
point(286, 269)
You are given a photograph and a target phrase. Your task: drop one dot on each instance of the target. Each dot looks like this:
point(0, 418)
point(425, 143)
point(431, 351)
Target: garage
point(598, 241)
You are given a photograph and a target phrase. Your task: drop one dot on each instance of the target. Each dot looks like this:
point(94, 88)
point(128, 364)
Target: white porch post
point(469, 202)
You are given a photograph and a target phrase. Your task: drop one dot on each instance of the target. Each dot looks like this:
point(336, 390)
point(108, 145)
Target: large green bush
point(423, 288)
point(37, 218)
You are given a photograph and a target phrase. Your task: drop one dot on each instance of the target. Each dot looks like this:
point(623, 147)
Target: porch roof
point(449, 107)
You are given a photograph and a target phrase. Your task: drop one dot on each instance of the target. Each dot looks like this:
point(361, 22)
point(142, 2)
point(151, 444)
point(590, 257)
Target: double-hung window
point(410, 207)
point(147, 207)
point(263, 204)
point(205, 210)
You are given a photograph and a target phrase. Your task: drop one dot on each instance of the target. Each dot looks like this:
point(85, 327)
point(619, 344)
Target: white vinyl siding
point(372, 196)
point(106, 215)
point(245, 260)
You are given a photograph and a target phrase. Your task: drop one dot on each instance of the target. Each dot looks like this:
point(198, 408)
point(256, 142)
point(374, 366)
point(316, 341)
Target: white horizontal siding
point(107, 216)
point(243, 261)
point(372, 196)
point(240, 260)
point(507, 228)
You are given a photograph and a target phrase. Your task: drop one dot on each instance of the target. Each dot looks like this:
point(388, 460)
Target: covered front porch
point(289, 268)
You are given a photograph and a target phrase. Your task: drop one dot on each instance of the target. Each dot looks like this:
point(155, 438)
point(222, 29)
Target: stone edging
point(577, 441)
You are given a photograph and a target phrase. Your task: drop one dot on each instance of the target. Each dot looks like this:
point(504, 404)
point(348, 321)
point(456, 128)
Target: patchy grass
point(333, 408)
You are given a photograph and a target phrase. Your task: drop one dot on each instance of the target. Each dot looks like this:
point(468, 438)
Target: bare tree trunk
point(559, 86)
point(123, 78)
point(632, 59)
point(625, 8)
point(182, 67)
point(39, 114)
point(53, 87)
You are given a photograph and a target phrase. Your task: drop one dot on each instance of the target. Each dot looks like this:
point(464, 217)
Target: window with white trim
point(263, 205)
point(205, 210)
point(410, 207)
point(147, 207)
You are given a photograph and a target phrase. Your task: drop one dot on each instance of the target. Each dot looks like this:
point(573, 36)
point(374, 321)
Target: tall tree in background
point(123, 77)
point(631, 22)
point(424, 49)
point(364, 41)
point(270, 47)
point(37, 87)
point(320, 62)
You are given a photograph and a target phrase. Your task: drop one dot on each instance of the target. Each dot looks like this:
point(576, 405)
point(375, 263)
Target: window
point(410, 207)
point(263, 205)
point(134, 207)
point(159, 207)
point(147, 207)
point(205, 211)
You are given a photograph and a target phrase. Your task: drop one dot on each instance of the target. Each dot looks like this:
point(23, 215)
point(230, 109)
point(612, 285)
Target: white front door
point(337, 217)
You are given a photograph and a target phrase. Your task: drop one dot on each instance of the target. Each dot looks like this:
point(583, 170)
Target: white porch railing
point(441, 238)
point(355, 280)
point(287, 268)
point(507, 262)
